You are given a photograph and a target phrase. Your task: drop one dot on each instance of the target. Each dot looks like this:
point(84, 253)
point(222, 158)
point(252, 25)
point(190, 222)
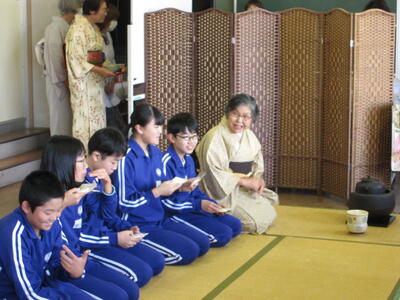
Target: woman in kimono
point(230, 155)
point(84, 46)
point(55, 70)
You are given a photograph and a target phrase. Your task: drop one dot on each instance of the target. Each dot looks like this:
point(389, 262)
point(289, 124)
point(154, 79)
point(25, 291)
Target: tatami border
point(395, 294)
point(334, 240)
point(235, 275)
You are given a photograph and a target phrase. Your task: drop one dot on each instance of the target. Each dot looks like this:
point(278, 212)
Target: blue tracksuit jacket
point(181, 202)
point(98, 207)
point(27, 262)
point(136, 176)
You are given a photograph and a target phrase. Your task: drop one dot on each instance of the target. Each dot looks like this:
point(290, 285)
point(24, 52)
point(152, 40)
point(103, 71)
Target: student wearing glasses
point(230, 155)
point(189, 205)
point(141, 186)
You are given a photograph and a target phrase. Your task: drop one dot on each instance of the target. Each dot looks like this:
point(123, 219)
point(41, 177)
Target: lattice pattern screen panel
point(301, 72)
point(335, 168)
point(256, 72)
point(374, 37)
point(213, 64)
point(169, 62)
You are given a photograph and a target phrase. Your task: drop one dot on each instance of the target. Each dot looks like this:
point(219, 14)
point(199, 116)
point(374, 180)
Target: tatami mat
point(196, 280)
point(328, 224)
point(301, 268)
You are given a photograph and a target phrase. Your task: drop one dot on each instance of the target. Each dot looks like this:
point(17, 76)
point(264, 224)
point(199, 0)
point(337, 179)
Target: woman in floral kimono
point(84, 46)
point(230, 155)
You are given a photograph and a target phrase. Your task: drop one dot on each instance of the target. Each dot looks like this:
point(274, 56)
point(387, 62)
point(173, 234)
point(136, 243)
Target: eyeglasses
point(237, 116)
point(188, 138)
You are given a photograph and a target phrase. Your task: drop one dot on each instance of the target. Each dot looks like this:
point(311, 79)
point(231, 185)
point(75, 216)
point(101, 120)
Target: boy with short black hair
point(30, 260)
point(189, 205)
point(110, 238)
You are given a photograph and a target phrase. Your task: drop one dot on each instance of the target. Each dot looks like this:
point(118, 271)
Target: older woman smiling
point(230, 154)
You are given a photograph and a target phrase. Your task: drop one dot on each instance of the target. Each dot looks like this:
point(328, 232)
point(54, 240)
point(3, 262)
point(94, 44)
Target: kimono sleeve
point(54, 55)
point(219, 182)
point(258, 165)
point(77, 52)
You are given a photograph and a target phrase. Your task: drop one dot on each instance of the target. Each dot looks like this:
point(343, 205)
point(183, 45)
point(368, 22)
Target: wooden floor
point(9, 198)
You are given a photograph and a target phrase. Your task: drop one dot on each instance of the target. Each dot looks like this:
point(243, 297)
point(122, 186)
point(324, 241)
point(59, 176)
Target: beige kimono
point(86, 87)
point(216, 150)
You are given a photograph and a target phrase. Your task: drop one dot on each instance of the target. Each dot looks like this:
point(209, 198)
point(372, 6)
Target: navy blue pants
point(140, 263)
point(219, 229)
point(107, 284)
point(64, 290)
point(152, 257)
point(177, 242)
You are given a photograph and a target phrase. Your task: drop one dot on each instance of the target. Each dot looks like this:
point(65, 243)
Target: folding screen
point(337, 97)
point(213, 64)
point(323, 81)
point(374, 34)
point(169, 62)
point(301, 90)
point(256, 72)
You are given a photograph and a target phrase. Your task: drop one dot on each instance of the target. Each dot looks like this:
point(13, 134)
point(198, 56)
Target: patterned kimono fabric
point(86, 87)
point(218, 149)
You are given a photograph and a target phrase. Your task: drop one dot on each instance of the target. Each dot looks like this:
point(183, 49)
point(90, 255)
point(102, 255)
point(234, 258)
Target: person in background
point(380, 4)
point(31, 240)
point(114, 90)
point(57, 91)
point(253, 4)
point(84, 46)
point(231, 157)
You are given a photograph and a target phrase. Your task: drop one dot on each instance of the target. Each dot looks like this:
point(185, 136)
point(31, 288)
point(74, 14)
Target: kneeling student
point(189, 205)
point(113, 241)
point(30, 263)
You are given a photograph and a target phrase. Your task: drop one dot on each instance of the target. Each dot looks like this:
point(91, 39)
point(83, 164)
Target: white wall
point(138, 9)
point(42, 11)
point(11, 59)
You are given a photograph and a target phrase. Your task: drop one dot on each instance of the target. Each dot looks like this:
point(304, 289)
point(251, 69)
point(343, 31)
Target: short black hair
point(108, 141)
point(143, 114)
point(40, 187)
point(243, 99)
point(59, 156)
point(91, 5)
point(380, 4)
point(182, 123)
point(256, 3)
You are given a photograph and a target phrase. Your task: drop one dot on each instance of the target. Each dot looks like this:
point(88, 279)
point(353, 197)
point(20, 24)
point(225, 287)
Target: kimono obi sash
point(95, 57)
point(241, 167)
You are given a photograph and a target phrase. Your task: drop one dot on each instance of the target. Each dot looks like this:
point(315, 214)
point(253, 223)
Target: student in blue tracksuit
point(112, 240)
point(189, 205)
point(30, 262)
point(140, 184)
point(65, 157)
